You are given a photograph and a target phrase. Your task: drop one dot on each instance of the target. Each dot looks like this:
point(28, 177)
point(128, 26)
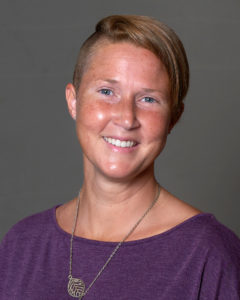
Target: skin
point(124, 94)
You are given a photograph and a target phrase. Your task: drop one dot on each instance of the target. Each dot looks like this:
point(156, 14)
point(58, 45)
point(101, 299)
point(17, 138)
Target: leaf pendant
point(76, 287)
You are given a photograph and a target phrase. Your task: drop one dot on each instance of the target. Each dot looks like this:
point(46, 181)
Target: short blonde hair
point(150, 34)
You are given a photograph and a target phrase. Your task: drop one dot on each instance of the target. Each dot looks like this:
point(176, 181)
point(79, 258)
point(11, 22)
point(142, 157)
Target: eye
point(149, 100)
point(106, 92)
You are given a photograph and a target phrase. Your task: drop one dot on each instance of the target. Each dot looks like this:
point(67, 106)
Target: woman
point(124, 236)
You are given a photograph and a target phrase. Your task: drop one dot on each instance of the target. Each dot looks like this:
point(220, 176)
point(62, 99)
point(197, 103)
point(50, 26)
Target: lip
point(121, 149)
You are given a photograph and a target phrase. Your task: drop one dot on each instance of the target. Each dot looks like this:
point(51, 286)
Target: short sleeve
point(221, 274)
point(5, 250)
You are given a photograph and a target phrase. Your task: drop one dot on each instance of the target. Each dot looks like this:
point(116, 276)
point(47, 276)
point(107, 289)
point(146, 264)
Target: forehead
point(123, 56)
point(113, 49)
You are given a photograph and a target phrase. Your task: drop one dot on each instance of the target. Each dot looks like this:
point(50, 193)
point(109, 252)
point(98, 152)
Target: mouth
point(120, 143)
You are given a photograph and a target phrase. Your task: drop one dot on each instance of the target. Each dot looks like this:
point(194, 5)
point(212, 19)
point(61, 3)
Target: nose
point(124, 114)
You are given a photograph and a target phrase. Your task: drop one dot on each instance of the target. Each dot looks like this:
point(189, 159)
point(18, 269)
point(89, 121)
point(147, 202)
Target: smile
point(118, 143)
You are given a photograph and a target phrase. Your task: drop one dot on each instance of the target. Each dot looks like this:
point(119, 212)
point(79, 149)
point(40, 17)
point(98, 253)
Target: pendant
point(76, 287)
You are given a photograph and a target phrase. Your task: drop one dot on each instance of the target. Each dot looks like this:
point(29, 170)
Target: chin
point(121, 173)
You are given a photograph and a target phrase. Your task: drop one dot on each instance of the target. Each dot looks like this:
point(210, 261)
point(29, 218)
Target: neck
point(108, 210)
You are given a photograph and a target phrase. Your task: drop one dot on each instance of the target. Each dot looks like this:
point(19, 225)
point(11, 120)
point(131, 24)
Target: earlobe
point(71, 100)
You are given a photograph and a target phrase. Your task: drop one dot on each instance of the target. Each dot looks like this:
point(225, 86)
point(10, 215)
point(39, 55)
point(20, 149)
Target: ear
point(176, 115)
point(71, 98)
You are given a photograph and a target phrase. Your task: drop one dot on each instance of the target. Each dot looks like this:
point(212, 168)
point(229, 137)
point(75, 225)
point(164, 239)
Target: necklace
point(76, 286)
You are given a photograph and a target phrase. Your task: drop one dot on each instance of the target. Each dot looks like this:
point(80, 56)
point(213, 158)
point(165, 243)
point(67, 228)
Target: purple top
point(197, 259)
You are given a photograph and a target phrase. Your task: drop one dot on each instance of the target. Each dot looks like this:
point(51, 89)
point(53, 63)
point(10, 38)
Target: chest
point(135, 272)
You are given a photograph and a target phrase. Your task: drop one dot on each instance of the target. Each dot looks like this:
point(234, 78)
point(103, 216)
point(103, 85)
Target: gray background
point(40, 159)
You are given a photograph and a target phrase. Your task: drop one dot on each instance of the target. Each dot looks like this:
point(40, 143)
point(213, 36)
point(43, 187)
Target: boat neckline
point(131, 242)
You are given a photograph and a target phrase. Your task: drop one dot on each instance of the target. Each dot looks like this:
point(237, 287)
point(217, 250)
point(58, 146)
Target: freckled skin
point(132, 74)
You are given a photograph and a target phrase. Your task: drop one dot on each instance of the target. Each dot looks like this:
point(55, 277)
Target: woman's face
point(122, 110)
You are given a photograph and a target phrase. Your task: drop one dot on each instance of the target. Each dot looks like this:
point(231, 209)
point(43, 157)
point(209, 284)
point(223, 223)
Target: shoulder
point(216, 244)
point(31, 226)
point(221, 258)
point(214, 251)
point(209, 231)
point(200, 228)
point(24, 251)
point(26, 239)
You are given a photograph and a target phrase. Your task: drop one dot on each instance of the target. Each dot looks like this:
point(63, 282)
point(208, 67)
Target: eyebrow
point(147, 90)
point(110, 80)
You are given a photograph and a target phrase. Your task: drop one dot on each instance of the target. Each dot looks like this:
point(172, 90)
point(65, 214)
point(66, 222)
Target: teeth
point(118, 143)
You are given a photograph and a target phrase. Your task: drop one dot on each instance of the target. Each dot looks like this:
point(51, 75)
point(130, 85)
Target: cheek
point(156, 125)
point(92, 116)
